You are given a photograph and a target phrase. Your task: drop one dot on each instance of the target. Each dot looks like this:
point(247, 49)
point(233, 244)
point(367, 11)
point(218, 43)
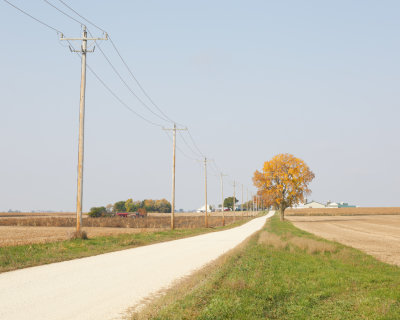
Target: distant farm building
point(314, 204)
point(203, 209)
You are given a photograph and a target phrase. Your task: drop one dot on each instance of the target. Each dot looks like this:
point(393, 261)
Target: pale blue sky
point(318, 79)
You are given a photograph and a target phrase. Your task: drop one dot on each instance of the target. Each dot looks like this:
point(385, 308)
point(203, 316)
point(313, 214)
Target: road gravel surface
point(107, 285)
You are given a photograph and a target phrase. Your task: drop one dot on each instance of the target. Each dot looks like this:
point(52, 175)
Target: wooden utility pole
point(256, 202)
point(247, 203)
point(205, 180)
point(252, 203)
point(241, 207)
point(234, 195)
point(173, 173)
point(83, 52)
point(222, 198)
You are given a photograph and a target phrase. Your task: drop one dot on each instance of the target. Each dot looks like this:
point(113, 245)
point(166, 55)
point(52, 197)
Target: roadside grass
point(284, 273)
point(22, 256)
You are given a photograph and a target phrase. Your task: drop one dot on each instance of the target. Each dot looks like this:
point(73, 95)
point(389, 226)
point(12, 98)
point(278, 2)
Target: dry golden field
point(343, 211)
point(14, 235)
point(28, 228)
point(21, 215)
point(377, 235)
point(155, 222)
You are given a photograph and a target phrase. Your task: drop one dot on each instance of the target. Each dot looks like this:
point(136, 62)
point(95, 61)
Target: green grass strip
point(22, 256)
point(286, 273)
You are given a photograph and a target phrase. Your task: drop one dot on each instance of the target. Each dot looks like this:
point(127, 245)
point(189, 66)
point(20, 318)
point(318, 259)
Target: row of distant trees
point(144, 206)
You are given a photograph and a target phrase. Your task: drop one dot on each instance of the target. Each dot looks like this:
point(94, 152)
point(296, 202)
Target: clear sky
point(251, 79)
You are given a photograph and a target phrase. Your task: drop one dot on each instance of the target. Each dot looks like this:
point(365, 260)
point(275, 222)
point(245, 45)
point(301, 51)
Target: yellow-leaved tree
point(283, 182)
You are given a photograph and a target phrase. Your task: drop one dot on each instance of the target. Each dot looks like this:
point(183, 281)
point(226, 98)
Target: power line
point(163, 117)
point(166, 118)
point(188, 146)
point(107, 59)
point(81, 16)
point(120, 100)
point(32, 17)
point(140, 86)
point(64, 13)
point(179, 149)
point(128, 87)
point(194, 143)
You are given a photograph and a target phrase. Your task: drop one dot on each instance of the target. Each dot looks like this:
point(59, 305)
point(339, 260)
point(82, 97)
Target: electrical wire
point(166, 118)
point(81, 16)
point(107, 59)
point(194, 143)
point(140, 86)
point(32, 17)
point(179, 149)
point(119, 99)
point(187, 145)
point(64, 13)
point(126, 84)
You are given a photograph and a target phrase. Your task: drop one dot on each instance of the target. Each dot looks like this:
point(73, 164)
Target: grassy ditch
point(22, 256)
point(285, 273)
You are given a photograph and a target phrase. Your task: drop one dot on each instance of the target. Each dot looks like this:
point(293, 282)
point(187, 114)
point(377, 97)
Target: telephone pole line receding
point(173, 172)
point(83, 52)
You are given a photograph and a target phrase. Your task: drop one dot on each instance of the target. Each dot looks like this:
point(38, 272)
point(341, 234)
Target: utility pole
point(173, 173)
point(252, 202)
point(205, 180)
point(247, 203)
point(257, 202)
point(83, 52)
point(234, 195)
point(222, 197)
point(242, 201)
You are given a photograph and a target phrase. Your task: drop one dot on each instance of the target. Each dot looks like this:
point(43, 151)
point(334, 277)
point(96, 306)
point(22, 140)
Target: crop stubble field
point(377, 235)
point(343, 211)
point(29, 228)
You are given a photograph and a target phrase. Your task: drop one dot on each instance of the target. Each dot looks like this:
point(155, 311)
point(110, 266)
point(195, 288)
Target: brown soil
point(376, 235)
point(13, 235)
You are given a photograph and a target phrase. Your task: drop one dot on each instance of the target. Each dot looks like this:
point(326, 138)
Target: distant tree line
point(144, 206)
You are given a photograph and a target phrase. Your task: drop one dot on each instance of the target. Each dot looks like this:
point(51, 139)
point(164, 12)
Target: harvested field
point(24, 215)
point(343, 211)
point(12, 236)
point(377, 235)
point(119, 222)
point(16, 231)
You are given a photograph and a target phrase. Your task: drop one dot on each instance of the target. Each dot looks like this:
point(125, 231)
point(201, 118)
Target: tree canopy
point(162, 205)
point(283, 181)
point(228, 202)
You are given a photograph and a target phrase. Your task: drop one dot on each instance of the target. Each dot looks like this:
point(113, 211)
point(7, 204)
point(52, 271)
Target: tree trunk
point(282, 212)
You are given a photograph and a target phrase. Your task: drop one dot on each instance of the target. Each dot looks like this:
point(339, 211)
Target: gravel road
point(105, 286)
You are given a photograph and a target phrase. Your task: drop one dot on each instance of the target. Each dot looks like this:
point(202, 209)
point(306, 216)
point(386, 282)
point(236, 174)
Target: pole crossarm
point(80, 39)
point(175, 129)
